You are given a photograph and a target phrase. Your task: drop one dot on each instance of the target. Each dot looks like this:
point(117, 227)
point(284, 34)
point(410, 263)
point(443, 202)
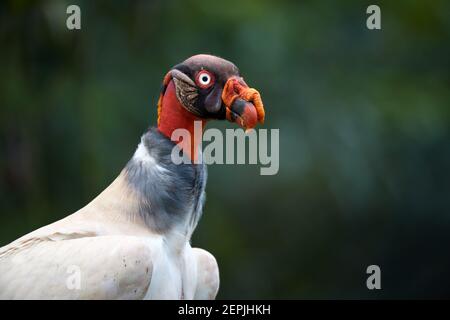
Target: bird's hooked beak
point(243, 104)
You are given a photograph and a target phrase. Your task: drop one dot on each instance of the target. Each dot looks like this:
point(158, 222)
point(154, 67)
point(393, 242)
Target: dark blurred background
point(364, 119)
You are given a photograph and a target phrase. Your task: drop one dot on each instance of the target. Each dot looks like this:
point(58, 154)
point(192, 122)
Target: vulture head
point(210, 87)
point(206, 87)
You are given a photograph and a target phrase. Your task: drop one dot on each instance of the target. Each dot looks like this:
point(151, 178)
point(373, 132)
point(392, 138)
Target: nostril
point(238, 87)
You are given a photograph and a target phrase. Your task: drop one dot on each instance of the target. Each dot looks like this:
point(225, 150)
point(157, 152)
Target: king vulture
point(133, 240)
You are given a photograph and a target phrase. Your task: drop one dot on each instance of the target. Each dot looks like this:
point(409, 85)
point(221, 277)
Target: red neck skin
point(174, 116)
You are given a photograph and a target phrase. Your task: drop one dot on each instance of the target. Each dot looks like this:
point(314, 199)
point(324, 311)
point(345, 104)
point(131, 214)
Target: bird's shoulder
point(108, 267)
point(111, 265)
point(208, 279)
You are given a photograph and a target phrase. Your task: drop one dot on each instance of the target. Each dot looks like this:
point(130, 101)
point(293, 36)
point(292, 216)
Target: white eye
point(204, 78)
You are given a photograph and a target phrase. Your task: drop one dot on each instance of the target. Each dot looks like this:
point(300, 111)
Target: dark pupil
point(204, 78)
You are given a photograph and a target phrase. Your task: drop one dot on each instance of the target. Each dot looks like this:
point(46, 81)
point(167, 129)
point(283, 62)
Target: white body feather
point(114, 254)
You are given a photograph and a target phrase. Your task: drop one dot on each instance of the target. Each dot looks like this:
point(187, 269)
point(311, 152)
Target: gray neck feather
point(171, 196)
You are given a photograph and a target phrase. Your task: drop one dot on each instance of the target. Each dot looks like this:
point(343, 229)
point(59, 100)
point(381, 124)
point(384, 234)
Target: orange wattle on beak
point(243, 104)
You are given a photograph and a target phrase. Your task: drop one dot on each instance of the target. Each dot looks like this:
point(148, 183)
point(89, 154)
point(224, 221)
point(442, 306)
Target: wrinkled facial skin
point(205, 101)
